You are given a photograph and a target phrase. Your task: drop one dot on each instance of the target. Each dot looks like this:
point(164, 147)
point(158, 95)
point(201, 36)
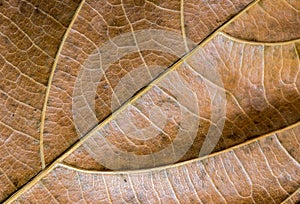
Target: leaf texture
point(261, 171)
point(89, 35)
point(31, 32)
point(252, 90)
point(229, 64)
point(294, 198)
point(268, 21)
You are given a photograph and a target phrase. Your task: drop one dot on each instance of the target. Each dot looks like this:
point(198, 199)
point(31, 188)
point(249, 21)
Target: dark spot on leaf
point(164, 138)
point(218, 21)
point(6, 39)
point(15, 182)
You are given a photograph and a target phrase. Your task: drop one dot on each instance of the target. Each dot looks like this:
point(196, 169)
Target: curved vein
point(58, 160)
point(140, 171)
point(258, 42)
point(50, 83)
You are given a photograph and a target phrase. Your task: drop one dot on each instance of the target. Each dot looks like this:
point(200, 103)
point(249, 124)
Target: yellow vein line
point(183, 25)
point(50, 83)
point(153, 83)
point(133, 190)
point(106, 189)
point(257, 42)
point(291, 196)
point(56, 162)
point(141, 171)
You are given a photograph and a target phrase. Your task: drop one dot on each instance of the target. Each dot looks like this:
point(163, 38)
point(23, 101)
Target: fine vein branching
point(72, 148)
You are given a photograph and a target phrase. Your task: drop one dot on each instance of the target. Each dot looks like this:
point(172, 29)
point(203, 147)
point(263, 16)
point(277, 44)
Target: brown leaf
point(212, 86)
point(294, 198)
point(261, 171)
point(268, 21)
point(94, 26)
point(31, 32)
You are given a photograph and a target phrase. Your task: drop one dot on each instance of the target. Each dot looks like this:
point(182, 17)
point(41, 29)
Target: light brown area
point(261, 91)
point(258, 172)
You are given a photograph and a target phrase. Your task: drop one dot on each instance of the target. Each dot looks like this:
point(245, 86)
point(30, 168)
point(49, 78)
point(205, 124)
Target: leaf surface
point(31, 32)
point(214, 88)
point(261, 171)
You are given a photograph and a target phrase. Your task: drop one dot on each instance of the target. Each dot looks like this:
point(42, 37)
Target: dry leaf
point(195, 101)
